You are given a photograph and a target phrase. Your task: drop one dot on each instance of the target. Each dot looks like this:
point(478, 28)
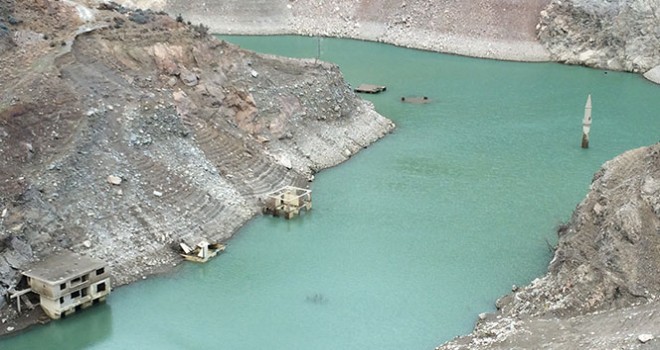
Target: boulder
point(187, 77)
point(645, 338)
point(114, 180)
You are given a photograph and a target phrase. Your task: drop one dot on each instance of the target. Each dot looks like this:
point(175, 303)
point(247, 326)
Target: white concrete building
point(67, 283)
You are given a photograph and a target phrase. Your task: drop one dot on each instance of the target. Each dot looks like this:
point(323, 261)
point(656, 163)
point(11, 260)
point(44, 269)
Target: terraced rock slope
point(123, 132)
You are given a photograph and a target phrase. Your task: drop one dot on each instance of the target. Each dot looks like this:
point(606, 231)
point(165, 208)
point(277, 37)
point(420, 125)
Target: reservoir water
point(413, 237)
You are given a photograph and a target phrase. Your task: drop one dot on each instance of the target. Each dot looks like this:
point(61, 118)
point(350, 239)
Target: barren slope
point(196, 129)
point(617, 35)
point(503, 29)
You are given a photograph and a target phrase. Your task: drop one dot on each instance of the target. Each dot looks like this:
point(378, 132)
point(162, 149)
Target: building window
point(75, 294)
point(85, 278)
point(84, 292)
point(100, 287)
point(100, 271)
point(75, 281)
point(61, 300)
point(62, 286)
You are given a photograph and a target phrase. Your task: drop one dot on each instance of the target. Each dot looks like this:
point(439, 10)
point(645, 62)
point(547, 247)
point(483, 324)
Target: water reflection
point(82, 330)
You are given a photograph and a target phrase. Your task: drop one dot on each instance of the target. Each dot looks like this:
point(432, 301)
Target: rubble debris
point(202, 252)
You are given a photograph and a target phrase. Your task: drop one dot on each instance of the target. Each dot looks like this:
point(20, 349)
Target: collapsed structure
point(202, 252)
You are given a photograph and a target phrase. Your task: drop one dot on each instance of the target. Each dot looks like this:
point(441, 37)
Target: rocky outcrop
point(617, 35)
point(602, 289)
point(653, 75)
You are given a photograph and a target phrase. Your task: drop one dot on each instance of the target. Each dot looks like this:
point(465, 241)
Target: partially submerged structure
point(416, 99)
point(586, 123)
point(67, 283)
point(370, 88)
point(288, 201)
point(202, 252)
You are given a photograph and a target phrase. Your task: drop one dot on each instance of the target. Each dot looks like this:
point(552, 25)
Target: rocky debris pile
point(629, 328)
point(16, 253)
point(605, 272)
point(339, 19)
point(617, 35)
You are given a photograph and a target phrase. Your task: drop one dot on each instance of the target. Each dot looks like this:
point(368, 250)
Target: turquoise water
point(409, 240)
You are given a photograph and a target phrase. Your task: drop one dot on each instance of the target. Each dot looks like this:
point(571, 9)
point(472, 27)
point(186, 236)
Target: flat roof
point(297, 191)
point(56, 269)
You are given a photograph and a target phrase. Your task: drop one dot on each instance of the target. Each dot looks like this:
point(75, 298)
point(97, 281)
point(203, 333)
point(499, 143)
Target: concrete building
point(67, 283)
point(288, 201)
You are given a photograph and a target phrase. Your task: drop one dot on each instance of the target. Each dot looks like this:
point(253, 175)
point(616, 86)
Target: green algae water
point(413, 237)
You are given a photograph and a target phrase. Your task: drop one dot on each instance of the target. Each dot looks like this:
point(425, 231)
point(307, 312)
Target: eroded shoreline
point(536, 31)
point(196, 130)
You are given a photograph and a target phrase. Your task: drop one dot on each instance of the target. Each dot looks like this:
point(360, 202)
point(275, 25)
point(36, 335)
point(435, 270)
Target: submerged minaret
point(586, 123)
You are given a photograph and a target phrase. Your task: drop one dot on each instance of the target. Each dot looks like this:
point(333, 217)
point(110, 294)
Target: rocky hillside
point(602, 290)
point(123, 132)
point(617, 35)
point(502, 29)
